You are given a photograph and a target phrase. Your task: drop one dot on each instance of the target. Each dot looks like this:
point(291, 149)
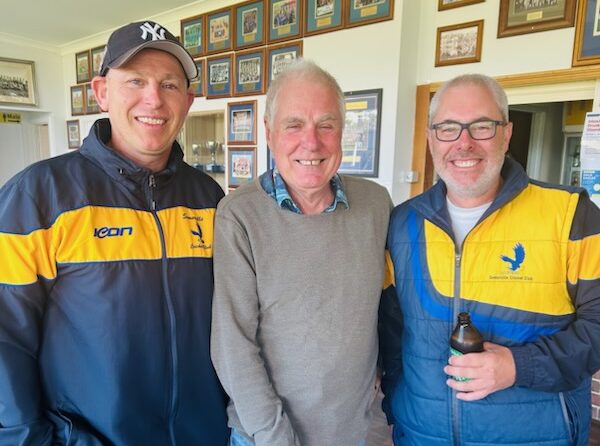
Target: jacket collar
point(118, 167)
point(432, 203)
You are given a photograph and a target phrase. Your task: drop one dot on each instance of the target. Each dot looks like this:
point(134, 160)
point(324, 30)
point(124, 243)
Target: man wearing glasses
point(522, 258)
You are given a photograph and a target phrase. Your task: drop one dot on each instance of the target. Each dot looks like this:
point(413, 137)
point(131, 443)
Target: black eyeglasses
point(481, 129)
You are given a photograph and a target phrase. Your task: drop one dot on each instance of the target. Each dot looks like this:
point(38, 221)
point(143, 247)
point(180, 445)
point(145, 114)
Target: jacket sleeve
point(235, 350)
point(390, 338)
point(561, 361)
point(25, 260)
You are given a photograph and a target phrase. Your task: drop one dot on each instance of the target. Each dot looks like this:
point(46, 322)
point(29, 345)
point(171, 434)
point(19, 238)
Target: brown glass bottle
point(465, 339)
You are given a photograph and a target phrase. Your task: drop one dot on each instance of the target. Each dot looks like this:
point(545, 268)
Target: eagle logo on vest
point(519, 256)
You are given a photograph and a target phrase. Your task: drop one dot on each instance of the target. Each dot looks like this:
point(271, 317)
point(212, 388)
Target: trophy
point(213, 147)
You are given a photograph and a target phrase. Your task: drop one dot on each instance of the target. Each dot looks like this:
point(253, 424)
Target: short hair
point(481, 80)
point(303, 69)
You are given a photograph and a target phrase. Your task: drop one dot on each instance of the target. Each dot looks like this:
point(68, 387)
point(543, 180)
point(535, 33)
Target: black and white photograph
point(17, 82)
point(249, 70)
point(219, 73)
point(219, 76)
point(458, 44)
point(365, 3)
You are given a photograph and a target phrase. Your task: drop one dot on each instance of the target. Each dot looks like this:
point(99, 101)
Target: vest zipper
point(455, 407)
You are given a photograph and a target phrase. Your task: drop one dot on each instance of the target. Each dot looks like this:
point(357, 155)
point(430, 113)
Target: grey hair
point(480, 80)
point(303, 69)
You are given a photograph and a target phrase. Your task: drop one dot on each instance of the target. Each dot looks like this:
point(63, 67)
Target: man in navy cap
point(106, 271)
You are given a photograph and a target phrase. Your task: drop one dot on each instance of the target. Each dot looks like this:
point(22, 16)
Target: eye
point(170, 86)
point(135, 81)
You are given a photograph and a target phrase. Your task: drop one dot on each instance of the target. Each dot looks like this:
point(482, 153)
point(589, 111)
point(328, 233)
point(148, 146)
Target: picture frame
point(279, 56)
point(586, 49)
point(517, 17)
point(458, 44)
point(219, 76)
point(241, 123)
point(193, 34)
point(322, 16)
point(284, 19)
point(73, 135)
point(250, 72)
point(249, 24)
point(78, 100)
point(91, 105)
point(241, 166)
point(199, 84)
point(362, 133)
point(17, 82)
point(449, 4)
point(219, 29)
point(96, 55)
point(364, 12)
point(83, 66)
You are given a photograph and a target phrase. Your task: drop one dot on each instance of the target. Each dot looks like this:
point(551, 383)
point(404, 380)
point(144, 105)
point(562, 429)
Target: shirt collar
point(274, 185)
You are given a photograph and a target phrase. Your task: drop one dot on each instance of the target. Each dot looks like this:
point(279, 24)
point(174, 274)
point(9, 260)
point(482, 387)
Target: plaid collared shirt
point(273, 184)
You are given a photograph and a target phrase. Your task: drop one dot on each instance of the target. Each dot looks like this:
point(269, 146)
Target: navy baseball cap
point(127, 41)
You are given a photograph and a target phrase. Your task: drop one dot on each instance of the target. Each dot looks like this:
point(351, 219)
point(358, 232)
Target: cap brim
point(184, 58)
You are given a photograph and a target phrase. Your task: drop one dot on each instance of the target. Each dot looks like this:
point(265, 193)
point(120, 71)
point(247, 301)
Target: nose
point(311, 137)
point(464, 139)
point(153, 94)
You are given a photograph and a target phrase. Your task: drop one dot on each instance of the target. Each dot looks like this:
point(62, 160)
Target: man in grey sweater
point(299, 268)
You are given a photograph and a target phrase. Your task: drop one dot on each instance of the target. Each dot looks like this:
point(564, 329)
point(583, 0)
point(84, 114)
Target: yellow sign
point(12, 118)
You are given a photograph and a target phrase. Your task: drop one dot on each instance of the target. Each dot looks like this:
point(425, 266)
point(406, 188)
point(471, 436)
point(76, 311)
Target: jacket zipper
point(455, 310)
point(171, 312)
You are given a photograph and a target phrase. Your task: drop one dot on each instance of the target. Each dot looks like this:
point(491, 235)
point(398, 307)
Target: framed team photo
point(285, 20)
point(241, 123)
point(97, 54)
point(323, 16)
point(219, 28)
point(457, 44)
point(198, 84)
point(219, 76)
point(241, 166)
point(82, 66)
point(280, 56)
point(363, 12)
point(193, 35)
point(250, 72)
point(78, 100)
point(249, 24)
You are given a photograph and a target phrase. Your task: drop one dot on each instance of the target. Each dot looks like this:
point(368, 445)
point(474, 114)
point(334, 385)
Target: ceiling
point(60, 22)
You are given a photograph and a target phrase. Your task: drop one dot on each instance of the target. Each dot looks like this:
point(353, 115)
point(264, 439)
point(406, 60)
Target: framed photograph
point(249, 24)
point(192, 35)
point(78, 100)
point(241, 165)
point(83, 66)
point(249, 72)
point(360, 140)
point(97, 54)
point(449, 4)
point(199, 83)
point(73, 134)
point(458, 44)
point(241, 123)
point(91, 105)
point(586, 50)
point(524, 17)
point(17, 82)
point(219, 26)
point(363, 12)
point(280, 56)
point(219, 76)
point(285, 20)
point(323, 16)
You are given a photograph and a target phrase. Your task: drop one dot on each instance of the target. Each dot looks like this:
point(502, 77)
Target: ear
point(267, 131)
point(100, 91)
point(190, 99)
point(507, 133)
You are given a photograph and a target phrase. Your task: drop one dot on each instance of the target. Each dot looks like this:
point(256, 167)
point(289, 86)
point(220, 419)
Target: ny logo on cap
point(155, 31)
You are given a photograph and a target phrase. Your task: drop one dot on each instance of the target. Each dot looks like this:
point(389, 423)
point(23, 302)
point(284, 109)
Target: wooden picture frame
point(73, 134)
point(198, 86)
point(17, 82)
point(241, 123)
point(96, 56)
point(193, 34)
point(323, 16)
point(241, 166)
point(219, 76)
point(364, 12)
point(279, 56)
point(91, 105)
point(219, 30)
point(250, 72)
point(586, 49)
point(78, 100)
point(284, 20)
point(517, 17)
point(83, 66)
point(458, 44)
point(249, 24)
point(362, 133)
point(449, 4)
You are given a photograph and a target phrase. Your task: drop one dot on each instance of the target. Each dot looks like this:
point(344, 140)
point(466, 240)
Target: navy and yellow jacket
point(529, 275)
point(106, 282)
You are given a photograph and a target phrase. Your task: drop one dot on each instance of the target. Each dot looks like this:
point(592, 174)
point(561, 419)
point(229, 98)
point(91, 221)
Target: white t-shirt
point(464, 219)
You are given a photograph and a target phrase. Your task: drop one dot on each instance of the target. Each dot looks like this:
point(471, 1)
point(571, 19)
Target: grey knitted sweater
point(294, 331)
